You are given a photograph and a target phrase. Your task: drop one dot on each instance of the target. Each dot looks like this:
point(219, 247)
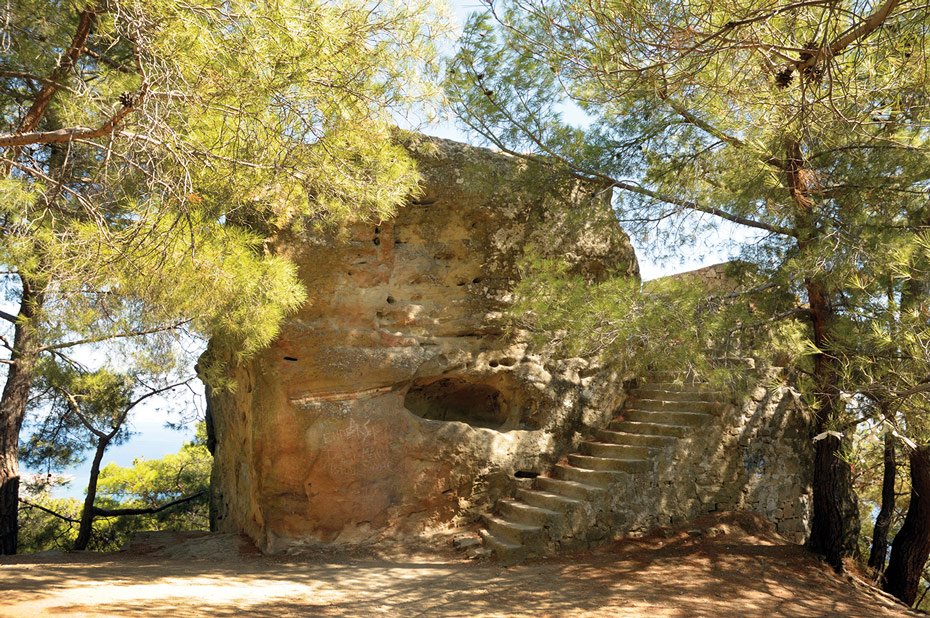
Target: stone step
point(479, 553)
point(673, 375)
point(618, 451)
point(522, 513)
point(569, 489)
point(649, 429)
point(681, 387)
point(598, 478)
point(650, 392)
point(466, 541)
point(608, 463)
point(548, 500)
point(506, 551)
point(667, 417)
point(635, 439)
point(514, 532)
point(705, 407)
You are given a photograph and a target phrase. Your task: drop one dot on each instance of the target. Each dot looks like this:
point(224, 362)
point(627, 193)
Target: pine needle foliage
point(150, 149)
point(675, 325)
point(804, 124)
point(219, 123)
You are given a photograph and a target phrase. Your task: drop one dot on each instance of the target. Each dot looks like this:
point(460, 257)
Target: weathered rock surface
point(394, 402)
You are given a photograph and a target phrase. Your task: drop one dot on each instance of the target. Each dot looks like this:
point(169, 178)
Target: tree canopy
point(803, 123)
point(146, 486)
point(140, 134)
point(151, 148)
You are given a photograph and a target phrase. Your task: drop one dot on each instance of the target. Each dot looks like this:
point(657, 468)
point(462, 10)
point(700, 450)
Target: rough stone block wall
point(716, 278)
point(757, 455)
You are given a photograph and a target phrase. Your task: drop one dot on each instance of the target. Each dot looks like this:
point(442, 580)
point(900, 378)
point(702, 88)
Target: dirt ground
point(719, 566)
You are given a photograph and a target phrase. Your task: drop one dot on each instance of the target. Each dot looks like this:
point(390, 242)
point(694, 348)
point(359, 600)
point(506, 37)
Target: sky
point(153, 440)
point(151, 437)
point(707, 252)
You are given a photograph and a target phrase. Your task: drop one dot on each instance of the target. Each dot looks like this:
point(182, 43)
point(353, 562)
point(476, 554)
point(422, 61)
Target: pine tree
point(149, 148)
point(803, 124)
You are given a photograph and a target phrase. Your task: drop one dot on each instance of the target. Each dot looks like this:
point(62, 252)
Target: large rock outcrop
point(394, 402)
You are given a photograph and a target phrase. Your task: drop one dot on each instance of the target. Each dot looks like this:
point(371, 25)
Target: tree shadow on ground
point(686, 574)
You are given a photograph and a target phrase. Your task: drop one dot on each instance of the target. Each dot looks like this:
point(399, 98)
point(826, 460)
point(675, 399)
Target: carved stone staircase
point(570, 508)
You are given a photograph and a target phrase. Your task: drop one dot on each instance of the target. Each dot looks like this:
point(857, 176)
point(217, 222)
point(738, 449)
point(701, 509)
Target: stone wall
point(648, 471)
point(755, 455)
point(716, 278)
point(394, 402)
point(758, 453)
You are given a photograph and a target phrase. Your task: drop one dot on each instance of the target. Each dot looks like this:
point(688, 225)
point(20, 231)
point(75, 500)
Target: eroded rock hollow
point(395, 402)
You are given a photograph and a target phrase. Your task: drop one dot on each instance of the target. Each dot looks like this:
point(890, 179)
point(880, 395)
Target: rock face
point(394, 402)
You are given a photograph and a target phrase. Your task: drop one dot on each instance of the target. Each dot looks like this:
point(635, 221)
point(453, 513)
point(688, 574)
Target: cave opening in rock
point(457, 399)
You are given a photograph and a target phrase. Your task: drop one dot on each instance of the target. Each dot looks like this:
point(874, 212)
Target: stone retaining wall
point(756, 456)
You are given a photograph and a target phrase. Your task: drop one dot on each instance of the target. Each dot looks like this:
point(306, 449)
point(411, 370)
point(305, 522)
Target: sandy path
point(686, 573)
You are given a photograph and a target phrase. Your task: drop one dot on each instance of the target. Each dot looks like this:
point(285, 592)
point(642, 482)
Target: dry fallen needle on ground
point(723, 565)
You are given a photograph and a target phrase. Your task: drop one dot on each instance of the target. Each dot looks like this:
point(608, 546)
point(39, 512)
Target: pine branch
point(157, 391)
point(76, 408)
point(550, 156)
point(586, 174)
point(775, 318)
point(755, 290)
point(122, 68)
point(864, 29)
point(49, 511)
point(721, 135)
point(99, 512)
point(35, 78)
point(711, 210)
point(31, 120)
point(65, 135)
point(922, 387)
point(71, 344)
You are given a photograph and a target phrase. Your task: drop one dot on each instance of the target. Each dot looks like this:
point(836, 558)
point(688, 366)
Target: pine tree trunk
point(883, 521)
point(911, 546)
point(835, 525)
point(87, 515)
point(18, 385)
point(835, 522)
point(13, 403)
point(9, 511)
